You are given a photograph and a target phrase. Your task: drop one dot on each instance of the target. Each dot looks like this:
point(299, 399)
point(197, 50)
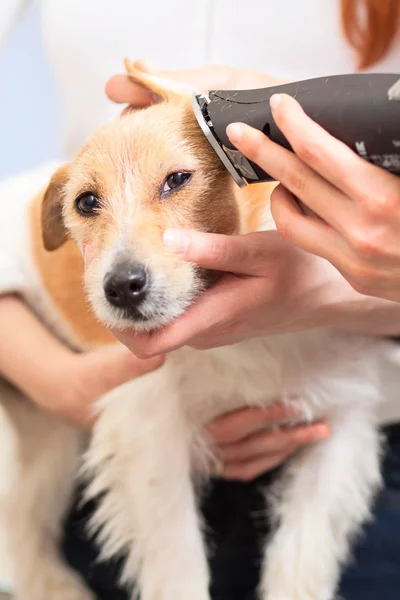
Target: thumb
point(240, 254)
point(110, 367)
point(122, 90)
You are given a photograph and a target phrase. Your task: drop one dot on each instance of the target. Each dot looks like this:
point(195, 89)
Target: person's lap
point(375, 571)
point(234, 512)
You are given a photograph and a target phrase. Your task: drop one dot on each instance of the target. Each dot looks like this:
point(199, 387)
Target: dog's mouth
point(154, 311)
point(134, 298)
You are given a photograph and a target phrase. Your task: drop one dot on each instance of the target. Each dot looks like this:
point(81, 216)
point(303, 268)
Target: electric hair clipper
point(361, 110)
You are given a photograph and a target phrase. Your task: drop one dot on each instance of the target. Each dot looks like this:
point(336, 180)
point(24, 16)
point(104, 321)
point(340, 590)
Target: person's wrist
point(327, 299)
point(337, 305)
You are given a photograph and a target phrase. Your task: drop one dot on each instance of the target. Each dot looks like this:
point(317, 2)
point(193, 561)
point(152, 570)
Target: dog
point(97, 260)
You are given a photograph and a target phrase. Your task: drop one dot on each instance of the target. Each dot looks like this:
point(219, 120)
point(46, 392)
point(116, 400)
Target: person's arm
point(53, 376)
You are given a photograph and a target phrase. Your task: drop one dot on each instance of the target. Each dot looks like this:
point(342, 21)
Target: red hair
point(370, 26)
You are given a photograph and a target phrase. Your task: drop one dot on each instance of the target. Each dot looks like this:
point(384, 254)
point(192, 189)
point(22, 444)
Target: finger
point(122, 90)
point(318, 238)
point(305, 231)
point(242, 254)
point(326, 155)
point(202, 318)
point(195, 320)
point(239, 424)
point(249, 470)
point(271, 443)
point(284, 166)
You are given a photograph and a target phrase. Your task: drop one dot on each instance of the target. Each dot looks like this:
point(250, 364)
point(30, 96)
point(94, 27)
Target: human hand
point(268, 287)
point(351, 208)
point(122, 90)
point(248, 443)
point(78, 380)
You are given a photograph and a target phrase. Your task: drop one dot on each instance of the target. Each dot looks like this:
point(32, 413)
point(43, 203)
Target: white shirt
point(86, 41)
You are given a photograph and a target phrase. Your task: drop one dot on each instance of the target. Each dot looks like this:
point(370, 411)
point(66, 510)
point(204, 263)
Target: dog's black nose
point(126, 286)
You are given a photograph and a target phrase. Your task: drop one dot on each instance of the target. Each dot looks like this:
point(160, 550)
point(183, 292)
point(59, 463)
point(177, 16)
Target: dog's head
point(149, 170)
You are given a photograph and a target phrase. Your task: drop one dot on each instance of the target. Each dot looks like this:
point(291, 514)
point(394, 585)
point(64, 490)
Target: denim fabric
point(375, 572)
point(234, 512)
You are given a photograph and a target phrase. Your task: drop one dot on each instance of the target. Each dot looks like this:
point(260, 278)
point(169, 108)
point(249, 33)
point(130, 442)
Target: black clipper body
point(361, 110)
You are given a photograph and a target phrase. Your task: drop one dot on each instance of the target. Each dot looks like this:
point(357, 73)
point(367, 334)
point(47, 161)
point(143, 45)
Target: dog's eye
point(175, 181)
point(87, 204)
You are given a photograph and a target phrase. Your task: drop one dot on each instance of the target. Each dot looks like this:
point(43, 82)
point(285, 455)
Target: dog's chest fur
point(296, 369)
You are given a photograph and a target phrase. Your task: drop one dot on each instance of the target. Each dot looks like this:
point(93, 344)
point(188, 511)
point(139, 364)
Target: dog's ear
point(162, 88)
point(54, 232)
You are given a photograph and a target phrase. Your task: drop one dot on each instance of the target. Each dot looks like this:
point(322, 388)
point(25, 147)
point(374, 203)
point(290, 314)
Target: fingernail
point(234, 132)
point(275, 101)
point(177, 240)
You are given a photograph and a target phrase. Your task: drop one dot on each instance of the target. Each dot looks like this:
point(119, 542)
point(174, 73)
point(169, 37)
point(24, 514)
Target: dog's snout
point(126, 286)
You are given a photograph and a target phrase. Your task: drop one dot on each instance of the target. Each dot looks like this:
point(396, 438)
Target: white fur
point(145, 443)
point(145, 446)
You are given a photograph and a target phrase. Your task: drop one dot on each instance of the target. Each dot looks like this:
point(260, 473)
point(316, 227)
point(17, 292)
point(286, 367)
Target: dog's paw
point(175, 592)
point(302, 587)
point(296, 594)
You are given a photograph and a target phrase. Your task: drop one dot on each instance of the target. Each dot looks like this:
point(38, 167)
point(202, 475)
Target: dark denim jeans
point(234, 514)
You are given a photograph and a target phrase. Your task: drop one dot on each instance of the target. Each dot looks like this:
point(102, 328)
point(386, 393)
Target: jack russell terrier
point(94, 258)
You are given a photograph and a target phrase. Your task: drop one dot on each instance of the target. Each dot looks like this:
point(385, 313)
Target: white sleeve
point(10, 12)
point(16, 192)
point(17, 272)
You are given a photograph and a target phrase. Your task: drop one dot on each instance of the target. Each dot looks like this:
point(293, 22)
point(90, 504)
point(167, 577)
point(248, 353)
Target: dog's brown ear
point(54, 232)
point(163, 88)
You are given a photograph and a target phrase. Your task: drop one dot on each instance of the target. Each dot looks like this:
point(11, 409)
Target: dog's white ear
point(54, 233)
point(163, 88)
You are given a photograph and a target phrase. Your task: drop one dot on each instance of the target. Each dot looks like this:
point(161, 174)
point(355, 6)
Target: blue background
point(29, 108)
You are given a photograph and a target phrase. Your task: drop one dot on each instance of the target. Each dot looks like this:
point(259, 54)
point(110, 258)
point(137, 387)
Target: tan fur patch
point(61, 272)
point(253, 201)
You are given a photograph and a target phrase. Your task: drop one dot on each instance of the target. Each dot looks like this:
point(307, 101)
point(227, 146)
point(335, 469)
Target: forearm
point(29, 354)
point(344, 308)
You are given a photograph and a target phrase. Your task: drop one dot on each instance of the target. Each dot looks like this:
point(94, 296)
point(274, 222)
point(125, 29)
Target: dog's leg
point(37, 499)
point(325, 498)
point(139, 459)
